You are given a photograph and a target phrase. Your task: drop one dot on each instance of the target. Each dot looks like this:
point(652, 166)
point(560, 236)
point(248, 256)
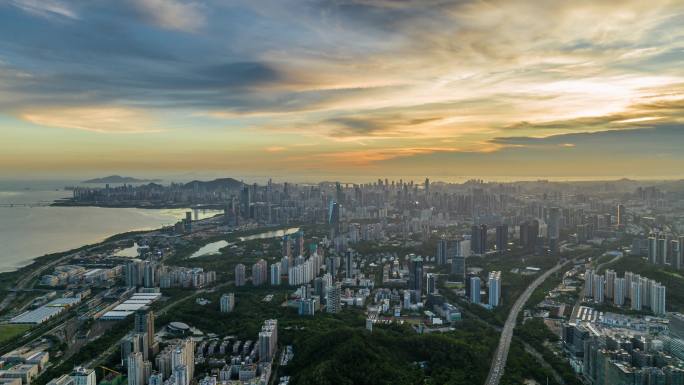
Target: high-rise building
point(136, 371)
point(334, 297)
point(610, 282)
point(348, 264)
point(494, 287)
point(653, 249)
point(598, 288)
point(661, 250)
point(619, 291)
point(442, 253)
point(275, 274)
point(589, 283)
point(478, 239)
point(658, 299)
point(475, 289)
point(416, 274)
point(501, 238)
point(554, 223)
point(334, 218)
point(529, 232)
point(260, 273)
point(621, 219)
point(83, 376)
point(227, 303)
point(679, 261)
point(144, 323)
point(431, 281)
point(240, 275)
point(635, 294)
point(268, 340)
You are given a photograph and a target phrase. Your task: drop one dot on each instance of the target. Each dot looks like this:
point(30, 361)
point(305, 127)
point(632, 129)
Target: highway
point(501, 355)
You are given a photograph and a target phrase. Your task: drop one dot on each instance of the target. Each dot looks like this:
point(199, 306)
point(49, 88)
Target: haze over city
point(341, 192)
point(496, 89)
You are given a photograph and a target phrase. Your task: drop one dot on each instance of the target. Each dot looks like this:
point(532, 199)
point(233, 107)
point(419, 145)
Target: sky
point(342, 89)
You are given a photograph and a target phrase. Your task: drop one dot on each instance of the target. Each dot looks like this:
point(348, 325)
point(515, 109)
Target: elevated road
point(501, 355)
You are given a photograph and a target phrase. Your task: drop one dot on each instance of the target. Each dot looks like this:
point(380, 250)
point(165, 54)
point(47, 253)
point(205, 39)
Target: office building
point(416, 274)
point(431, 281)
point(227, 303)
point(478, 239)
point(442, 252)
point(349, 264)
point(494, 287)
point(529, 233)
point(501, 238)
point(475, 289)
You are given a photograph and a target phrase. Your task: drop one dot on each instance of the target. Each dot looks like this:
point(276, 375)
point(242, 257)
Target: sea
point(29, 228)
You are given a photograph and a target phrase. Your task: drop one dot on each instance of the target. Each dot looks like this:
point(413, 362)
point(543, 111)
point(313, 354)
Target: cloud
point(116, 120)
point(172, 14)
point(45, 8)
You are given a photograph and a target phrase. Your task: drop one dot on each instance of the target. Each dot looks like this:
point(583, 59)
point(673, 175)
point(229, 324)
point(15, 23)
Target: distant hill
point(119, 179)
point(216, 184)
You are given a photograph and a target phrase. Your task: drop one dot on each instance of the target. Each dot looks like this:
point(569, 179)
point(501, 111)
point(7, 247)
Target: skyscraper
point(494, 287)
point(416, 274)
point(658, 299)
point(478, 239)
point(144, 323)
point(653, 249)
point(529, 232)
point(610, 282)
point(334, 218)
point(475, 289)
point(275, 274)
point(501, 238)
point(635, 294)
point(621, 219)
point(458, 268)
point(441, 256)
point(348, 264)
point(431, 280)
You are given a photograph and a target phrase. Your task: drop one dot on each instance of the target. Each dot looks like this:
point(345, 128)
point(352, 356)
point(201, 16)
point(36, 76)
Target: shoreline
point(152, 206)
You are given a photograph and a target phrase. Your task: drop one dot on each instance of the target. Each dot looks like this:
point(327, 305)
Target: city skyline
point(498, 90)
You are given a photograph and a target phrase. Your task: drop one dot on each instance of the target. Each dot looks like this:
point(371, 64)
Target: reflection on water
point(214, 247)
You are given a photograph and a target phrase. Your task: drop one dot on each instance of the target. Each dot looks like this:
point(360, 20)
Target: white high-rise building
point(240, 277)
point(333, 302)
point(494, 284)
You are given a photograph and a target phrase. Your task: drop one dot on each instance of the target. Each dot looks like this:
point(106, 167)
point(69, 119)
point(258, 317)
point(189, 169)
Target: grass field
point(8, 331)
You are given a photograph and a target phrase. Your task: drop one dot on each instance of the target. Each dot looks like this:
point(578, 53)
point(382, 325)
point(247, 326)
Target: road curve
point(501, 354)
